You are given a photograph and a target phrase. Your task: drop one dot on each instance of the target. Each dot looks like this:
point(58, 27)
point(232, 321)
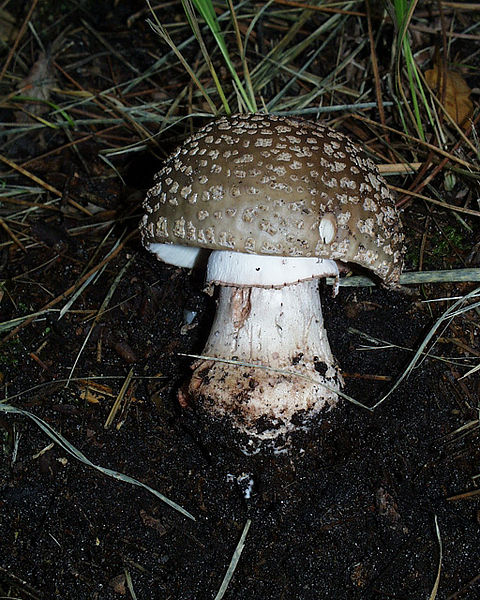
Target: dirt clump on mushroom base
point(238, 405)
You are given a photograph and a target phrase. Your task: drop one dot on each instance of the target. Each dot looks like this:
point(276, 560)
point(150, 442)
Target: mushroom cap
point(281, 186)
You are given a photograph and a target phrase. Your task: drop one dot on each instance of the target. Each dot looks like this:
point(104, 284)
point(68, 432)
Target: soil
point(360, 506)
point(349, 511)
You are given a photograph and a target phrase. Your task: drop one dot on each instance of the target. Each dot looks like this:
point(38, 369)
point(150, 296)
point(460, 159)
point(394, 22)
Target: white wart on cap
point(280, 202)
point(278, 186)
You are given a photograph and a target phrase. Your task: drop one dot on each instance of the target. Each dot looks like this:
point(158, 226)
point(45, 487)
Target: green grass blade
point(206, 10)
point(163, 33)
point(55, 107)
point(403, 11)
point(241, 49)
point(192, 20)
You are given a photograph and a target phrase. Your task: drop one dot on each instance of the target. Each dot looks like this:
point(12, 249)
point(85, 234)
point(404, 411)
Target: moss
point(443, 242)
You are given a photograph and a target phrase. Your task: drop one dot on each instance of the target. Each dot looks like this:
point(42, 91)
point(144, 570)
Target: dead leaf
point(91, 397)
point(118, 584)
point(37, 87)
point(94, 392)
point(457, 101)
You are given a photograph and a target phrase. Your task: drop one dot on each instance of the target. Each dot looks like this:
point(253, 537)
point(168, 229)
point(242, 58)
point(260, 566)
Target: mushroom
point(280, 202)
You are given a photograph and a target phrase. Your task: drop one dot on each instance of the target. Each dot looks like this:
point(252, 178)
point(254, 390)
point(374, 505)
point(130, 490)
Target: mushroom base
point(281, 331)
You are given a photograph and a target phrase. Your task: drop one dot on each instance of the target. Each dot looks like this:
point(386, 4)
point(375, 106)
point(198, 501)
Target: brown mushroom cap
point(274, 185)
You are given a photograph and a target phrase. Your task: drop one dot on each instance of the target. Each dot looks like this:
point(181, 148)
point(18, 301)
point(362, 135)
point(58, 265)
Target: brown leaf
point(94, 392)
point(37, 86)
point(118, 584)
point(457, 101)
point(40, 80)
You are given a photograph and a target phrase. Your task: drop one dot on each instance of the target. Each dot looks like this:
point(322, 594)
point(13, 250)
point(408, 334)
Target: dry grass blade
point(421, 143)
point(73, 451)
point(326, 9)
point(459, 307)
point(21, 32)
point(281, 55)
point(233, 563)
point(206, 9)
point(460, 209)
point(83, 381)
point(471, 372)
point(436, 585)
point(473, 494)
point(162, 32)
point(101, 311)
point(116, 405)
point(414, 278)
point(250, 93)
point(71, 289)
point(128, 577)
point(379, 344)
point(42, 183)
point(12, 235)
point(189, 11)
point(373, 54)
point(8, 325)
point(14, 581)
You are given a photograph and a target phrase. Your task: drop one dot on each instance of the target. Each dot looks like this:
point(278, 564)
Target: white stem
point(278, 328)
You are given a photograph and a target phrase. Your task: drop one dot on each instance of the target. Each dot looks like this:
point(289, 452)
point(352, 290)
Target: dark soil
point(349, 511)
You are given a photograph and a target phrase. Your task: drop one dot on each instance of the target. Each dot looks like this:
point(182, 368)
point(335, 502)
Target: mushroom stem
point(281, 329)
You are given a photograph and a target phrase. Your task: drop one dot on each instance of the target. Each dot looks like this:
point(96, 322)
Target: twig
point(12, 235)
point(14, 47)
point(42, 183)
point(118, 400)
